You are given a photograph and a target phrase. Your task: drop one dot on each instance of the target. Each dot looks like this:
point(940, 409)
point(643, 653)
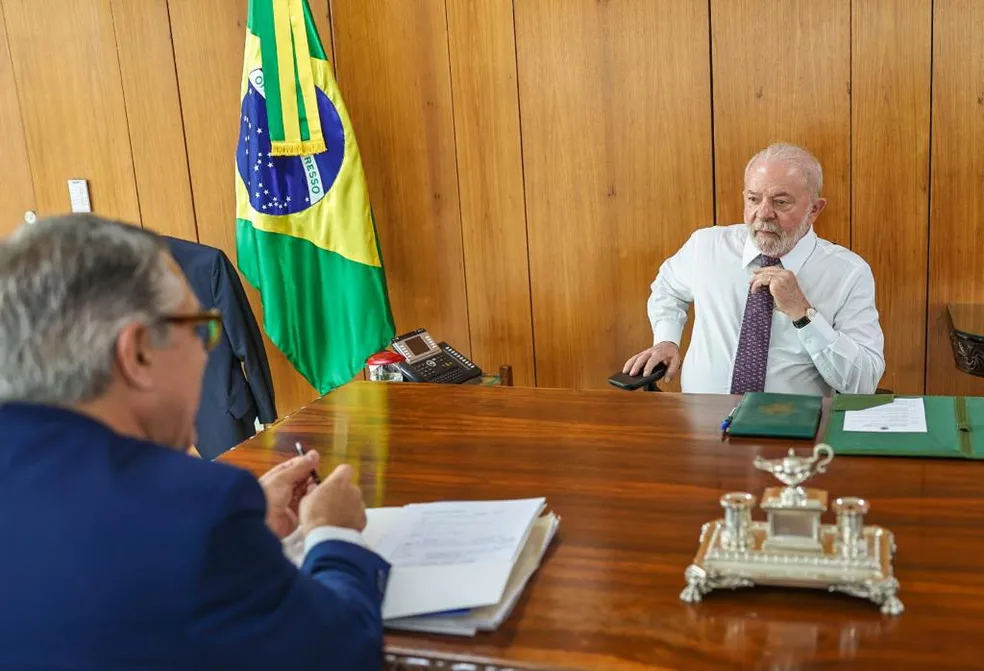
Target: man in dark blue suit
point(117, 550)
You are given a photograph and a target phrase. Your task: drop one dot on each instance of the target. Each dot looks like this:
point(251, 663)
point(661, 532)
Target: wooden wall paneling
point(71, 98)
point(208, 42)
point(16, 187)
point(153, 109)
point(890, 105)
point(956, 230)
point(615, 101)
point(782, 73)
point(394, 73)
point(208, 37)
point(482, 44)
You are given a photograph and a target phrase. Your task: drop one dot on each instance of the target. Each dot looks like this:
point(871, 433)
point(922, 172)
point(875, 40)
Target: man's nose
point(765, 211)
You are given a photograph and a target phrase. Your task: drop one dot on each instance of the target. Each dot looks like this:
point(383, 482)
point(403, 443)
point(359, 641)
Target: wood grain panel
point(617, 145)
point(71, 99)
point(482, 44)
point(394, 72)
point(782, 73)
point(891, 54)
point(956, 230)
point(153, 110)
point(208, 52)
point(16, 187)
point(209, 36)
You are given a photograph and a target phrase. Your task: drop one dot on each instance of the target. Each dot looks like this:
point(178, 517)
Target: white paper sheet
point(459, 533)
point(903, 415)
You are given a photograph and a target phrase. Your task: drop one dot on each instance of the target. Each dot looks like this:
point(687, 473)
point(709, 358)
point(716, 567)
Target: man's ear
point(134, 356)
point(818, 206)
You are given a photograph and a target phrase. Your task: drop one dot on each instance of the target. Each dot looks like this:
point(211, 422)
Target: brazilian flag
point(305, 234)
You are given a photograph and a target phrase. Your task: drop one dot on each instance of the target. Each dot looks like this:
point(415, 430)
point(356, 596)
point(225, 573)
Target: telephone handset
point(427, 361)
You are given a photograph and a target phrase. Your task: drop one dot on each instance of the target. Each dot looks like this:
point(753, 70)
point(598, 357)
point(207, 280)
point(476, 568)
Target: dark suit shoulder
point(201, 264)
point(215, 486)
point(188, 248)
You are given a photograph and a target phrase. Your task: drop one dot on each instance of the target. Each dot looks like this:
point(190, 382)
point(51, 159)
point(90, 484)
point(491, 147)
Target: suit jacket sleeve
point(254, 610)
point(245, 337)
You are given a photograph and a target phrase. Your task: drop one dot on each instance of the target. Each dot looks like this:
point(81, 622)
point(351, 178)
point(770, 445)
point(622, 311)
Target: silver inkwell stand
point(793, 548)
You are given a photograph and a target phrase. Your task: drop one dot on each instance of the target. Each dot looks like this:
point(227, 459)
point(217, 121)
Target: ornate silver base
point(866, 573)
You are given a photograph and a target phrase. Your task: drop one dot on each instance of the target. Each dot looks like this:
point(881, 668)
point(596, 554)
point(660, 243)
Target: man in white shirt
point(775, 307)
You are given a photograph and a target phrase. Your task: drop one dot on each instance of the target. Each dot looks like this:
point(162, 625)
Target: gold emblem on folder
point(778, 409)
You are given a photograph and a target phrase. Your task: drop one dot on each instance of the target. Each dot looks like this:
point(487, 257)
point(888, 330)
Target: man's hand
point(284, 486)
point(645, 361)
point(335, 502)
point(785, 290)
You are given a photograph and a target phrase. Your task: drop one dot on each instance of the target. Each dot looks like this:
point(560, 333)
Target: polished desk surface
point(634, 476)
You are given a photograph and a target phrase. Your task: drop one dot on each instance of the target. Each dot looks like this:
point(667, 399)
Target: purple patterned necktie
point(753, 343)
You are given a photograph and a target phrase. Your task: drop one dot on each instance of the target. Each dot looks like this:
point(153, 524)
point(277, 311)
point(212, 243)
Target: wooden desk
point(634, 476)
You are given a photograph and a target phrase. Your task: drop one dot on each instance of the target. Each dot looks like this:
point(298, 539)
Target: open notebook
point(458, 566)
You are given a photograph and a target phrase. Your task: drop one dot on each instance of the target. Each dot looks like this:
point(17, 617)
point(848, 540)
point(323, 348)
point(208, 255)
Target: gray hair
point(788, 153)
point(68, 286)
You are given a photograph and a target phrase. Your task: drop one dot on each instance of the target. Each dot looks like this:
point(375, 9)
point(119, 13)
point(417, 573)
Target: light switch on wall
point(78, 195)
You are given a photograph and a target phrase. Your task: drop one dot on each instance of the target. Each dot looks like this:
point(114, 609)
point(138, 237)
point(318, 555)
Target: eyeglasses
point(208, 324)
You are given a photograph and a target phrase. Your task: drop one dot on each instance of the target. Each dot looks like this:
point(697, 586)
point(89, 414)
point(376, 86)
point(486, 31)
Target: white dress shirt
point(329, 533)
point(840, 349)
point(296, 545)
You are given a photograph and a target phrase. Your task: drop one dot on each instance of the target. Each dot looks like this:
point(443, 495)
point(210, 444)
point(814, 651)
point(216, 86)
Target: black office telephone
point(427, 361)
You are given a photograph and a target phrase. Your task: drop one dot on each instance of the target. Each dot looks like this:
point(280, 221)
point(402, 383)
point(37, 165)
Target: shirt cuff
point(818, 335)
point(667, 331)
point(328, 533)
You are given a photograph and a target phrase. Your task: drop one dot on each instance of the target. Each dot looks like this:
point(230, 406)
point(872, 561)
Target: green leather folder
point(776, 415)
point(954, 429)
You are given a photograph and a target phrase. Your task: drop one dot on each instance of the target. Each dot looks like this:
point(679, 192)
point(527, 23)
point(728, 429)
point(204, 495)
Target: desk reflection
point(788, 643)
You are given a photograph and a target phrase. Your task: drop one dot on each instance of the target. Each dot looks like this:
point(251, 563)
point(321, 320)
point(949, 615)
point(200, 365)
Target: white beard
point(782, 242)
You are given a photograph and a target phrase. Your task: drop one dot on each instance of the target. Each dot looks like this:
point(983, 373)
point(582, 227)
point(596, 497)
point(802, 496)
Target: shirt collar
point(792, 261)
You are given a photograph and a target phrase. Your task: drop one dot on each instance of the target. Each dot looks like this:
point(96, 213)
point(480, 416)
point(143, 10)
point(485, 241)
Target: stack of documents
point(458, 566)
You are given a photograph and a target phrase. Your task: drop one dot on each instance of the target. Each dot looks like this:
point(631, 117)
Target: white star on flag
point(270, 165)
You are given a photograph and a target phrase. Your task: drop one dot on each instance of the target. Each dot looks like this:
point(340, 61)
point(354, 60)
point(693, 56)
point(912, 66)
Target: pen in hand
point(314, 473)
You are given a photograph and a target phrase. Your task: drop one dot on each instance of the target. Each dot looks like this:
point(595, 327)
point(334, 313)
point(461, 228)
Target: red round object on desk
point(385, 357)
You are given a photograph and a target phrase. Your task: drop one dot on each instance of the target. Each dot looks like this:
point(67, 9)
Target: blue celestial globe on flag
point(283, 185)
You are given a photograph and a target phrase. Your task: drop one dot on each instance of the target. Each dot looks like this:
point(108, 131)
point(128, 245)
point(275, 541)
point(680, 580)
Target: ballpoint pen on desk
point(731, 415)
point(314, 473)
